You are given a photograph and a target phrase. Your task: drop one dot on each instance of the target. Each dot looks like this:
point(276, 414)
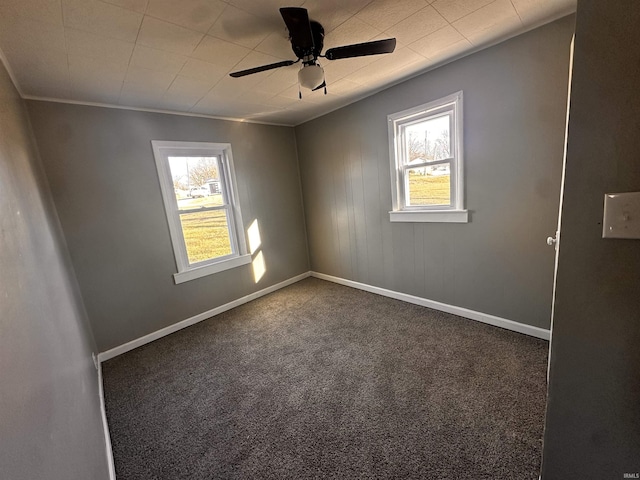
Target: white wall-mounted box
point(621, 215)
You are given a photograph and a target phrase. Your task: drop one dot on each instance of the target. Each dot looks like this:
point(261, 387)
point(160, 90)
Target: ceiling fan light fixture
point(311, 76)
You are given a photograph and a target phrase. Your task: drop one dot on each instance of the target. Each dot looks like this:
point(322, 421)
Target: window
point(200, 198)
point(426, 162)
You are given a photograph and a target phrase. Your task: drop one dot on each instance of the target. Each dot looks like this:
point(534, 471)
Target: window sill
point(205, 270)
point(433, 216)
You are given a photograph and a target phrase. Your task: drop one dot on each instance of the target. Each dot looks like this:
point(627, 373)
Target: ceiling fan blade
point(362, 49)
point(297, 21)
point(263, 68)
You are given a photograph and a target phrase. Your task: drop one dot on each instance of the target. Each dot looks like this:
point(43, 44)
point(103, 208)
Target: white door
point(555, 240)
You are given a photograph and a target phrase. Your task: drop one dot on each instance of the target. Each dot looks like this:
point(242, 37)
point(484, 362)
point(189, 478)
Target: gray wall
point(50, 423)
point(514, 115)
point(102, 173)
point(593, 412)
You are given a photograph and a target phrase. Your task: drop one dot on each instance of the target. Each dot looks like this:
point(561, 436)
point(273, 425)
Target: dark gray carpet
point(323, 381)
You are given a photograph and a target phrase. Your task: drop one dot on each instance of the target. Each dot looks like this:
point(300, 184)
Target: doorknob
point(551, 241)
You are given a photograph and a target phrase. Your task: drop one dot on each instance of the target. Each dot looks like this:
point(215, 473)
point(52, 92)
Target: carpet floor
point(318, 380)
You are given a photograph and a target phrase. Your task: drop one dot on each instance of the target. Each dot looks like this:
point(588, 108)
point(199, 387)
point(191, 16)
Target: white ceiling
point(176, 54)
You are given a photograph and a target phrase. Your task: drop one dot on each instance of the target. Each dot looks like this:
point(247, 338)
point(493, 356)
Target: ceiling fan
point(307, 37)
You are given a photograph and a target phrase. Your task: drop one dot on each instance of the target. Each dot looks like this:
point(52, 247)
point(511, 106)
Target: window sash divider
point(202, 209)
point(411, 166)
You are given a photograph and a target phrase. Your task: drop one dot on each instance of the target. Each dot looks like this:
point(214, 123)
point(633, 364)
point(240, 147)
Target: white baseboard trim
point(105, 427)
point(114, 352)
point(462, 312)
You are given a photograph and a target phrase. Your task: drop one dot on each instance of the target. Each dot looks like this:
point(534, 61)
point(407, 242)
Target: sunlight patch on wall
point(254, 236)
point(255, 242)
point(259, 267)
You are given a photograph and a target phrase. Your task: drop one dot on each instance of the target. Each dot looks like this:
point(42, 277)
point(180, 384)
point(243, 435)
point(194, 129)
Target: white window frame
point(162, 150)
point(397, 123)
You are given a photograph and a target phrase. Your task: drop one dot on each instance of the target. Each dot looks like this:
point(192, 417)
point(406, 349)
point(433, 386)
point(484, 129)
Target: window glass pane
point(428, 140)
point(429, 185)
point(196, 181)
point(206, 235)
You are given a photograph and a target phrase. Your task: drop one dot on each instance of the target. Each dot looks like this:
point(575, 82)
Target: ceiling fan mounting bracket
point(308, 60)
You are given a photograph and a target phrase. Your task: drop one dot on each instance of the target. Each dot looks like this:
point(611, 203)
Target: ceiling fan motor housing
point(317, 33)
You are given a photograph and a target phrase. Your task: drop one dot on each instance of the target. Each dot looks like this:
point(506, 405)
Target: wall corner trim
point(163, 332)
point(12, 76)
point(443, 307)
point(105, 427)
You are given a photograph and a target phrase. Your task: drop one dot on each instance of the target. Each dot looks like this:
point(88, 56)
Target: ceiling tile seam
point(202, 97)
point(349, 79)
point(205, 35)
point(221, 78)
point(460, 33)
point(196, 48)
point(208, 92)
point(61, 13)
point(229, 41)
point(501, 38)
point(176, 75)
point(75, 27)
point(517, 12)
point(362, 8)
point(226, 39)
point(229, 4)
point(351, 15)
point(465, 15)
point(432, 33)
point(120, 6)
point(132, 51)
point(367, 66)
point(339, 25)
point(186, 58)
point(235, 66)
point(66, 50)
point(221, 14)
point(175, 24)
point(378, 28)
point(277, 95)
point(420, 38)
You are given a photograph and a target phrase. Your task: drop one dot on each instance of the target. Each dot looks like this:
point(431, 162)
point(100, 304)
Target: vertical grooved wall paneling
point(514, 114)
